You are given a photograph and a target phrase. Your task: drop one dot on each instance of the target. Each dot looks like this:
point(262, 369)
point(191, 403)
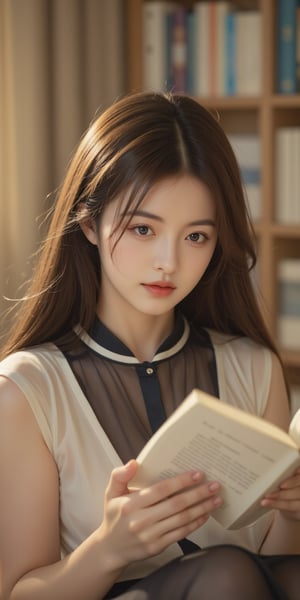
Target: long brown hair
point(136, 142)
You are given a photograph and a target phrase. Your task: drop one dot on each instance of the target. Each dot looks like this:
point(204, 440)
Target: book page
point(236, 460)
point(245, 461)
point(222, 457)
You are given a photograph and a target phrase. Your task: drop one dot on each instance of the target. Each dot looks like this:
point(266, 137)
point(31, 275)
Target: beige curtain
point(61, 61)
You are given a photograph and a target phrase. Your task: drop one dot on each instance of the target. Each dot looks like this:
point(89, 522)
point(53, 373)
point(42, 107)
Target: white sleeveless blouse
point(85, 455)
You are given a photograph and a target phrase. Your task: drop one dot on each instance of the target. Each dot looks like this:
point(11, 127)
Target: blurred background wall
point(61, 62)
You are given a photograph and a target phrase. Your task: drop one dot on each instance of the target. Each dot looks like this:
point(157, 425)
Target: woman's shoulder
point(37, 376)
point(35, 370)
point(234, 340)
point(244, 370)
point(245, 350)
point(29, 358)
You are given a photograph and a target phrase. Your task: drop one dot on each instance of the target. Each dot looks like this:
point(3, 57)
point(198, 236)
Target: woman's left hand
point(286, 498)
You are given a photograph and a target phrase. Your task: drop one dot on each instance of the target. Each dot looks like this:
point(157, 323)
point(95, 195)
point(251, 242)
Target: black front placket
point(149, 382)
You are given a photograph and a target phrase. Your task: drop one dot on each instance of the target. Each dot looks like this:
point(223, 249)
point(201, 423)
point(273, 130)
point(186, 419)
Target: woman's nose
point(165, 258)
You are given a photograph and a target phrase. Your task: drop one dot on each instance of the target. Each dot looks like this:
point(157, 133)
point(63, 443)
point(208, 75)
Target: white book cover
point(289, 303)
point(202, 48)
point(283, 157)
point(287, 175)
point(248, 53)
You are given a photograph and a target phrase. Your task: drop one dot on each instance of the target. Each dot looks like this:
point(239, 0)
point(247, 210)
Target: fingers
point(152, 541)
point(203, 496)
point(288, 489)
point(175, 517)
point(150, 519)
point(167, 488)
point(184, 510)
point(177, 512)
point(288, 506)
point(168, 496)
point(286, 498)
point(119, 480)
point(291, 482)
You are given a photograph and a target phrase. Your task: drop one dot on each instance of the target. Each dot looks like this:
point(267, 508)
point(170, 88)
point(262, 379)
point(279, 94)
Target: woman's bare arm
point(29, 517)
point(135, 525)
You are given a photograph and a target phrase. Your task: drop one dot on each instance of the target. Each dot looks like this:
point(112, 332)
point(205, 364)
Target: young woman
point(142, 293)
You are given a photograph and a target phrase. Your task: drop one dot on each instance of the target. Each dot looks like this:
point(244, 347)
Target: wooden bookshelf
point(263, 114)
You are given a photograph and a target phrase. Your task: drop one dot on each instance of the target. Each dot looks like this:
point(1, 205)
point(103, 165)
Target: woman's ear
point(88, 225)
point(89, 228)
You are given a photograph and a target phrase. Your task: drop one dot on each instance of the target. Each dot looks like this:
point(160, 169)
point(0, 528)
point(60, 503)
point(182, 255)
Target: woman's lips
point(159, 288)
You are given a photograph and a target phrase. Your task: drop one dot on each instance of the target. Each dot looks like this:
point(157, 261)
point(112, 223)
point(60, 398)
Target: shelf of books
point(241, 59)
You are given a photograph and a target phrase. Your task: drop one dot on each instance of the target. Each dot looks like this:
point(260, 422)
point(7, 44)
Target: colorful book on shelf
point(210, 47)
point(203, 58)
point(222, 9)
point(178, 54)
point(298, 47)
point(155, 45)
point(286, 46)
point(246, 454)
point(247, 148)
point(289, 303)
point(230, 54)
point(190, 50)
point(287, 175)
point(249, 52)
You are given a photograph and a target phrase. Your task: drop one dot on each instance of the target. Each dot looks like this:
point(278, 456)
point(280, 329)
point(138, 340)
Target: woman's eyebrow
point(148, 215)
point(141, 213)
point(202, 222)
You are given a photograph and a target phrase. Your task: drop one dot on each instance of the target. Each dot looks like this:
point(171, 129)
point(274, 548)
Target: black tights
point(221, 572)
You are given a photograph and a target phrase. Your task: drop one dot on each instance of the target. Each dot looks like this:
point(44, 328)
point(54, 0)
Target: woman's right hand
point(142, 523)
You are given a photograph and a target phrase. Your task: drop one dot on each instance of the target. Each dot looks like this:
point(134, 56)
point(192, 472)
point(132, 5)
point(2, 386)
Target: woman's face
point(163, 252)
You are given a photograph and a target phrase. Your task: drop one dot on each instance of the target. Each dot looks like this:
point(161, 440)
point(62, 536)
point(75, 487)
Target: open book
point(246, 454)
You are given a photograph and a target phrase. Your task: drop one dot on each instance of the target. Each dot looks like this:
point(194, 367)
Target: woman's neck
point(142, 334)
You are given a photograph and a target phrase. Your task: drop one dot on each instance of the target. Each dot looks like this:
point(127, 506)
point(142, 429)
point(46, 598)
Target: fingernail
point(265, 502)
point(214, 486)
point(196, 476)
point(218, 501)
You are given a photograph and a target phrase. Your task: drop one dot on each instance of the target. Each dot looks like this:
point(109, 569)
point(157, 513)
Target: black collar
point(102, 341)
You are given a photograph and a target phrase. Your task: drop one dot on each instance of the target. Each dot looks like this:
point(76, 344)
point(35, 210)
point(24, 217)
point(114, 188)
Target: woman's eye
point(196, 237)
point(142, 230)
